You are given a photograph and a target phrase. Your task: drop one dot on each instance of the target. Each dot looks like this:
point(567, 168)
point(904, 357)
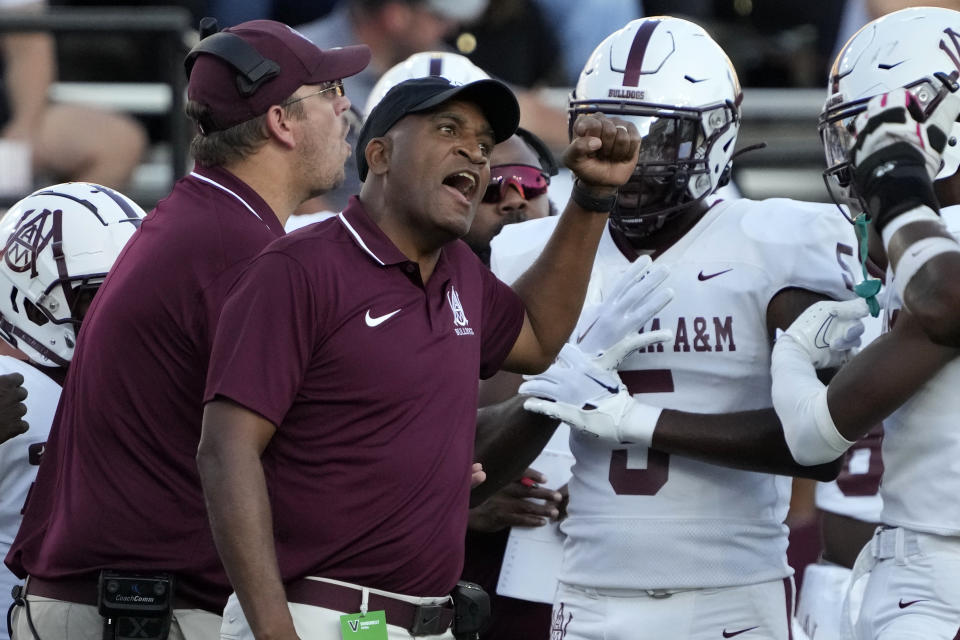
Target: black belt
point(419, 620)
point(84, 591)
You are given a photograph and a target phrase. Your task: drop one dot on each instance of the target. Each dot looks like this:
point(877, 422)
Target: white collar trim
point(223, 188)
point(360, 241)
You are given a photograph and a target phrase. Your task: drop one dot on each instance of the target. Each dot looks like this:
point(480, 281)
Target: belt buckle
point(427, 620)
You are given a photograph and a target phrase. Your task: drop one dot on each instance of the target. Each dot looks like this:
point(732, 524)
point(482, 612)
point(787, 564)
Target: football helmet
point(668, 77)
point(918, 49)
point(58, 244)
point(454, 67)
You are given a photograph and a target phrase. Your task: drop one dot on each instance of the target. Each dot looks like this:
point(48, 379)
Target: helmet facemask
point(673, 171)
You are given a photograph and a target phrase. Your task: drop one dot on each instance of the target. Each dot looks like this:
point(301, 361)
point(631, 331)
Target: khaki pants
point(319, 623)
point(59, 620)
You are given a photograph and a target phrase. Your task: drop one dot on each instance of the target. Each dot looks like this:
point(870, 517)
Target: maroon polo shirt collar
point(378, 247)
point(220, 178)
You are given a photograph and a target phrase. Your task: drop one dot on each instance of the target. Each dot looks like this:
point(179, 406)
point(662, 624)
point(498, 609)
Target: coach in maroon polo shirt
point(118, 487)
point(342, 391)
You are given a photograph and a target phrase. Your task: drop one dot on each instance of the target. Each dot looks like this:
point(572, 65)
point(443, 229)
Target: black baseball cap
point(419, 95)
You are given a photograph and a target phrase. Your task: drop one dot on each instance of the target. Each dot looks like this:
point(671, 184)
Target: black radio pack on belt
point(134, 605)
point(471, 610)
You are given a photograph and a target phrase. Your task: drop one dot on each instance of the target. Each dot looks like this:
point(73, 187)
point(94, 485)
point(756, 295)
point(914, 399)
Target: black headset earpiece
point(252, 68)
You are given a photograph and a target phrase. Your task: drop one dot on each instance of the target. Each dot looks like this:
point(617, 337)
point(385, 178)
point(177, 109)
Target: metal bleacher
point(792, 163)
point(163, 31)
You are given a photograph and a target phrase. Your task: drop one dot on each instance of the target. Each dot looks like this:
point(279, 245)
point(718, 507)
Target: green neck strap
point(869, 287)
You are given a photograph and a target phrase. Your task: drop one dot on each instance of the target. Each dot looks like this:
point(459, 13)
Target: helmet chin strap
point(10, 330)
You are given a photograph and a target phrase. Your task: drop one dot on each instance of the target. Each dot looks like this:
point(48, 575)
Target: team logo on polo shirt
point(459, 317)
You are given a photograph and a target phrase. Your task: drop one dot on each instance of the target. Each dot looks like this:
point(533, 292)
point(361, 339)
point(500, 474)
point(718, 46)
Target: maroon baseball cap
point(291, 60)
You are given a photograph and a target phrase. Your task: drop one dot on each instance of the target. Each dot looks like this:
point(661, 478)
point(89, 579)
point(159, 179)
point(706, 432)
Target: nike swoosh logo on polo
point(702, 277)
point(904, 605)
point(604, 385)
point(378, 320)
point(730, 634)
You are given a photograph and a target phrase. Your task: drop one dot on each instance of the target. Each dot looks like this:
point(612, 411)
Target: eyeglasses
point(530, 181)
point(336, 86)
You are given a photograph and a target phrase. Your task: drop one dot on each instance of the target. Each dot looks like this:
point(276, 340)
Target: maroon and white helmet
point(668, 77)
point(917, 48)
point(58, 244)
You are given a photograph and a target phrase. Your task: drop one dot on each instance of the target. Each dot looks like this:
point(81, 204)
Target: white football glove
point(898, 151)
point(828, 330)
point(612, 327)
point(897, 117)
point(591, 399)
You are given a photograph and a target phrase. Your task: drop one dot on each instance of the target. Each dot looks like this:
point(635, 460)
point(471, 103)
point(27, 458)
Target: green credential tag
point(373, 626)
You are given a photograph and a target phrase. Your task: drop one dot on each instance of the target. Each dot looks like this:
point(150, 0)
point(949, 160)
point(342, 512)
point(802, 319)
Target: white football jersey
point(19, 459)
point(642, 519)
point(856, 491)
point(921, 445)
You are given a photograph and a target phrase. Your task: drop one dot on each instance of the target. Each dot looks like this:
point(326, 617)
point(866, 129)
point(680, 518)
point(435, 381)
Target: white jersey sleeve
point(804, 245)
point(20, 457)
point(515, 248)
point(856, 491)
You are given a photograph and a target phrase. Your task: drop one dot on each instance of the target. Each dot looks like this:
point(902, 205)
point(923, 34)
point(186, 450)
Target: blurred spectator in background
point(782, 44)
point(231, 12)
point(393, 29)
point(580, 25)
point(513, 41)
point(63, 142)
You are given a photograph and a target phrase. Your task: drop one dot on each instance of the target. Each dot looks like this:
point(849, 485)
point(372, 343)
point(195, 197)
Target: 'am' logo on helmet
point(32, 235)
point(955, 54)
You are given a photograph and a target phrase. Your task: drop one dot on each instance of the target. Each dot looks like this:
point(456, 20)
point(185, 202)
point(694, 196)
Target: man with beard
point(118, 490)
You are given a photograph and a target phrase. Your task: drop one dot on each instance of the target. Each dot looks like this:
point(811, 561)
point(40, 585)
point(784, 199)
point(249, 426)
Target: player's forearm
point(240, 519)
point(926, 263)
point(867, 390)
point(508, 439)
point(554, 287)
point(748, 440)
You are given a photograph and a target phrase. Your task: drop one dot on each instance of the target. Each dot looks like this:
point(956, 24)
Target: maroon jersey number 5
point(648, 481)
